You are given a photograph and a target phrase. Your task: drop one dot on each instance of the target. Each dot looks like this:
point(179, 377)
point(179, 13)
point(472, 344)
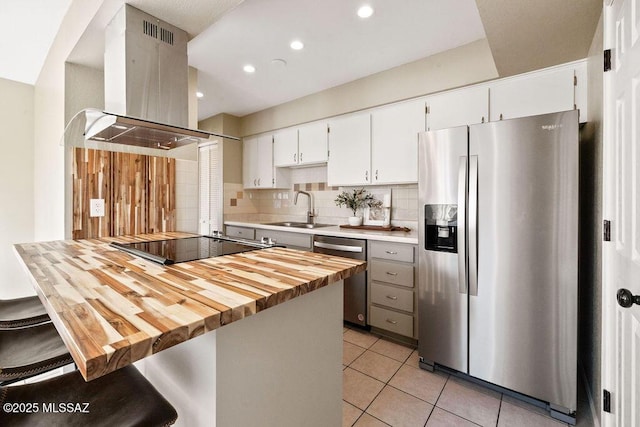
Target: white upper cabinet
point(394, 142)
point(302, 145)
point(459, 107)
point(534, 93)
point(312, 143)
point(250, 162)
point(285, 147)
point(257, 164)
point(581, 90)
point(350, 150)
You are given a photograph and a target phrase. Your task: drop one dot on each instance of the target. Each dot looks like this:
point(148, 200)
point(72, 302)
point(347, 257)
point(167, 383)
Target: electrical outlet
point(96, 207)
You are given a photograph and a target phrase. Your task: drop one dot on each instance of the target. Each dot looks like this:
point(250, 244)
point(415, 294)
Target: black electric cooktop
point(188, 249)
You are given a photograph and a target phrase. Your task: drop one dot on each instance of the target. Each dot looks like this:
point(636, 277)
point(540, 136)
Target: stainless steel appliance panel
point(355, 287)
point(442, 157)
point(523, 181)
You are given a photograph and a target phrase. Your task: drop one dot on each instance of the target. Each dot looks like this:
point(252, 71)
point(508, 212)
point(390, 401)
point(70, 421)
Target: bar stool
point(20, 312)
point(121, 398)
point(30, 351)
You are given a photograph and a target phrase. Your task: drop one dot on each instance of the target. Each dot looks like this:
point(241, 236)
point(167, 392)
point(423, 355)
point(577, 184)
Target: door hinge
point(606, 401)
point(575, 80)
point(606, 230)
point(328, 129)
point(427, 109)
point(607, 60)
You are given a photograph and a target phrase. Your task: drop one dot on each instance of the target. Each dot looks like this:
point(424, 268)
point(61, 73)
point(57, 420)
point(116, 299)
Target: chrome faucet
point(310, 214)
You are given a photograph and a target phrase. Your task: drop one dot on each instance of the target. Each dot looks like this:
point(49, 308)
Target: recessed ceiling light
point(365, 11)
point(249, 68)
point(296, 45)
point(199, 94)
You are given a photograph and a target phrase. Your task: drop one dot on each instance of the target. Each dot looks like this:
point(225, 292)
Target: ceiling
point(35, 23)
point(339, 46)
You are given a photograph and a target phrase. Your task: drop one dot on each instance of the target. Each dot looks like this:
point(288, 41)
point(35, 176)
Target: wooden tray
point(375, 227)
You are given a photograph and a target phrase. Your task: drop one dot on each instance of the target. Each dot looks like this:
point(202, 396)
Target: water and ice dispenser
point(441, 228)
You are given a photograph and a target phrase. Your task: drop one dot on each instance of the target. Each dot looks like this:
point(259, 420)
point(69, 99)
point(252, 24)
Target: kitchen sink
point(298, 224)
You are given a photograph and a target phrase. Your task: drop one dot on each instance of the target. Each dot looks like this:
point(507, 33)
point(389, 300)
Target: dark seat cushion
point(22, 312)
point(121, 398)
point(28, 351)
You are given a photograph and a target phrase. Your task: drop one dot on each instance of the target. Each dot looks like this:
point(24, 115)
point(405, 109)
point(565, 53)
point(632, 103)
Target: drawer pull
point(391, 273)
point(392, 297)
point(393, 322)
point(392, 252)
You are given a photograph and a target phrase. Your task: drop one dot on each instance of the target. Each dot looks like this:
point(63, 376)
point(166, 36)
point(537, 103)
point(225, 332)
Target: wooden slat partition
point(139, 193)
point(91, 180)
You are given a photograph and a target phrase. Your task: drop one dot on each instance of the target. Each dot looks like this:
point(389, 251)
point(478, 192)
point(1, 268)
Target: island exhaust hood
point(146, 92)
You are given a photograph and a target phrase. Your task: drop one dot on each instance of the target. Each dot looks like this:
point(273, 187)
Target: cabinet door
point(394, 142)
point(541, 92)
point(265, 161)
point(250, 162)
point(457, 108)
point(350, 150)
point(285, 147)
point(312, 143)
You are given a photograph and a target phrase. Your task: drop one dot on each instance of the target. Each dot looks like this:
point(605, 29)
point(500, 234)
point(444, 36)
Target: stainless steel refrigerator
point(498, 245)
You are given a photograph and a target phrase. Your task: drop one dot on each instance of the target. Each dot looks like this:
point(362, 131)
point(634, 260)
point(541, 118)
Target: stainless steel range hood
point(146, 92)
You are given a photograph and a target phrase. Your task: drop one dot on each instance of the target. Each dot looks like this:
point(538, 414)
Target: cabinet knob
point(392, 297)
point(366, 176)
point(393, 322)
point(255, 182)
point(376, 174)
point(391, 273)
point(294, 157)
point(300, 156)
point(392, 252)
point(258, 182)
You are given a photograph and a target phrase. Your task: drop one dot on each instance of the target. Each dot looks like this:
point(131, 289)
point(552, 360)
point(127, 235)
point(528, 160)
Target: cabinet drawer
point(290, 240)
point(400, 299)
point(392, 251)
point(392, 272)
point(242, 232)
point(392, 321)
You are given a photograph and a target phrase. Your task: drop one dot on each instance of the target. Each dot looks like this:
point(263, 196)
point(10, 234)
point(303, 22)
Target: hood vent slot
point(150, 29)
point(166, 36)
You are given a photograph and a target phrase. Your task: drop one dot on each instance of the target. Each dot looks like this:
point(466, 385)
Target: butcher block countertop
point(112, 308)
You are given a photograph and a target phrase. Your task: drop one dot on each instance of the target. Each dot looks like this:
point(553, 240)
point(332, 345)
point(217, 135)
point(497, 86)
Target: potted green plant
point(356, 200)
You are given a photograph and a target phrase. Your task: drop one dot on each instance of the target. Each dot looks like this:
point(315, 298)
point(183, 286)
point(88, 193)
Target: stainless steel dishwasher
point(355, 287)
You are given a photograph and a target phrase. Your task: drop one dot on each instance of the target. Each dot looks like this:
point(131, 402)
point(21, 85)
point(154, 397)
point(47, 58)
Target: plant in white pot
point(356, 200)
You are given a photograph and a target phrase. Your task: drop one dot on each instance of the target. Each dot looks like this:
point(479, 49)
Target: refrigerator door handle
point(462, 212)
point(473, 225)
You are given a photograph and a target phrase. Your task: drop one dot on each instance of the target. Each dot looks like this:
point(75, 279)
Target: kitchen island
point(280, 365)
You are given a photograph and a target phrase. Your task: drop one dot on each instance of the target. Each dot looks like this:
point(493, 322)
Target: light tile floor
point(383, 386)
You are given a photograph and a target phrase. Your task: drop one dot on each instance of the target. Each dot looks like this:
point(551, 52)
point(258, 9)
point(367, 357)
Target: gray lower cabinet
point(241, 232)
point(300, 241)
point(392, 291)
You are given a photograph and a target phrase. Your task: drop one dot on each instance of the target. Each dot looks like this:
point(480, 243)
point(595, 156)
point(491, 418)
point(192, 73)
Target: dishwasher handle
point(343, 248)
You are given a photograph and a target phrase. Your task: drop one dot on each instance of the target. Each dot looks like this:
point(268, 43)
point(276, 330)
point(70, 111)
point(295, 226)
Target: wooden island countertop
point(112, 308)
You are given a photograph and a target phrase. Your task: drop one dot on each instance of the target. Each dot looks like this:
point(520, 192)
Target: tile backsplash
point(270, 205)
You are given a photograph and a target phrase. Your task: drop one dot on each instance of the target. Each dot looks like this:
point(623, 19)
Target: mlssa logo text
point(67, 407)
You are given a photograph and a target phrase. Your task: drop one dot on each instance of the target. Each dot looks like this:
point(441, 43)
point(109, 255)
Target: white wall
point(49, 122)
point(16, 179)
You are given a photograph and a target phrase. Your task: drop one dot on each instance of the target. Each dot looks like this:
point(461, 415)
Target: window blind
point(211, 188)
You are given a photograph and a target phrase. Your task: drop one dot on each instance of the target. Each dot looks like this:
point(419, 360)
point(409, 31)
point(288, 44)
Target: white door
point(250, 162)
point(621, 256)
